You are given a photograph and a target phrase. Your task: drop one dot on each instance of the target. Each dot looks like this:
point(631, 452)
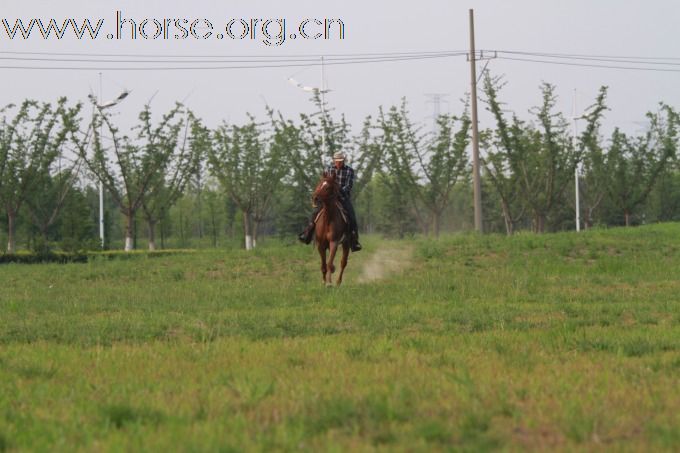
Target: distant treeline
point(172, 182)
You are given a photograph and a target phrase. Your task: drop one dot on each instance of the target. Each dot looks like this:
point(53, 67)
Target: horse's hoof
point(329, 285)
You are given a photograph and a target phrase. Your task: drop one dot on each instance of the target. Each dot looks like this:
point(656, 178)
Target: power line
point(246, 60)
point(256, 66)
point(331, 55)
point(593, 58)
point(563, 63)
point(226, 62)
point(575, 55)
point(354, 54)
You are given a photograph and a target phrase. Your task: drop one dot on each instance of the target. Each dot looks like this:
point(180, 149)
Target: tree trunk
point(214, 227)
point(508, 219)
point(256, 226)
point(436, 223)
point(539, 223)
point(247, 228)
point(162, 234)
point(626, 217)
point(181, 227)
point(200, 208)
point(11, 231)
point(134, 233)
point(589, 220)
point(129, 227)
point(152, 234)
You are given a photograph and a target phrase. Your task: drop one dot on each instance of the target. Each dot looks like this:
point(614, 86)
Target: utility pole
point(476, 180)
point(323, 109)
point(576, 188)
point(101, 184)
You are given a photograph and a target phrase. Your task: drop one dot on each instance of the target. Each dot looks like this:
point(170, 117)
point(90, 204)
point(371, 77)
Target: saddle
point(342, 213)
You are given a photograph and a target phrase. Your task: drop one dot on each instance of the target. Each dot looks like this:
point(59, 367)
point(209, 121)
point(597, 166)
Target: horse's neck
point(331, 207)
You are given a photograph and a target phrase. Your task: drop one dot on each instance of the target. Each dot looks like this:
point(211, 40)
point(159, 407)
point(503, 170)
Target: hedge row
point(82, 257)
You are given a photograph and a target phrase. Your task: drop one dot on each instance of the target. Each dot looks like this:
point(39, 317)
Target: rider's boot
point(306, 236)
point(355, 246)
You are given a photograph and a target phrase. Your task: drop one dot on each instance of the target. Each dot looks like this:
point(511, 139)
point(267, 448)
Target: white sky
point(604, 27)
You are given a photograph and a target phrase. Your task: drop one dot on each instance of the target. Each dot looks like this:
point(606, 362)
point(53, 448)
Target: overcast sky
point(607, 27)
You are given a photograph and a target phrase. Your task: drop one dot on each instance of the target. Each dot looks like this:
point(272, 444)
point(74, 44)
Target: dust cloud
point(384, 263)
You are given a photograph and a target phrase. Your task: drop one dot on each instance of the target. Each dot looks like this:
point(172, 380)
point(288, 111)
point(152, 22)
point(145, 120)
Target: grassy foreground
point(468, 343)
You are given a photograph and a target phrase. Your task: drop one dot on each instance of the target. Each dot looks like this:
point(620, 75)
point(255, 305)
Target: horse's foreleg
point(331, 257)
point(343, 262)
point(322, 253)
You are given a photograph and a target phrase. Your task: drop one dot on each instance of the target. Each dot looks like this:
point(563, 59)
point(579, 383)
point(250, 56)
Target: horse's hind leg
point(343, 262)
point(331, 266)
point(322, 253)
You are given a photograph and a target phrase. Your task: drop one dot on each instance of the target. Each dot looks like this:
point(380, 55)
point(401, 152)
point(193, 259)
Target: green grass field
point(469, 343)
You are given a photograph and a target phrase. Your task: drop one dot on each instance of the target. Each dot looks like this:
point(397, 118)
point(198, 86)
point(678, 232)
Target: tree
point(249, 165)
point(399, 164)
point(444, 164)
point(45, 205)
point(503, 181)
point(635, 163)
point(540, 161)
point(595, 177)
point(129, 169)
point(307, 153)
point(76, 228)
point(30, 143)
point(503, 148)
point(171, 180)
point(425, 169)
point(393, 215)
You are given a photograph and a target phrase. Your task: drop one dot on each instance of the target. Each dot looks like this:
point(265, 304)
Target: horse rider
point(344, 175)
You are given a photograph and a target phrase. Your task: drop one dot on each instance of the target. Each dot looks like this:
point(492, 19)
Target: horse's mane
point(334, 188)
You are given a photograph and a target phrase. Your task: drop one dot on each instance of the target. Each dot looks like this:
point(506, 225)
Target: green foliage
point(135, 168)
point(30, 142)
point(198, 187)
point(531, 167)
point(424, 169)
point(635, 163)
point(249, 166)
point(594, 175)
point(171, 179)
point(392, 216)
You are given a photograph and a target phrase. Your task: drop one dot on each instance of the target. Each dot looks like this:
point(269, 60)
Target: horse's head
point(327, 188)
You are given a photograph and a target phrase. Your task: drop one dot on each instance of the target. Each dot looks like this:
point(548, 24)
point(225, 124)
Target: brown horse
point(331, 228)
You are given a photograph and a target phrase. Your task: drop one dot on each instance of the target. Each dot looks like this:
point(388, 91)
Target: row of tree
point(181, 179)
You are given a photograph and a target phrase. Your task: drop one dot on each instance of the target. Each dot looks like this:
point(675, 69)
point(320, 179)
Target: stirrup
point(307, 235)
point(354, 244)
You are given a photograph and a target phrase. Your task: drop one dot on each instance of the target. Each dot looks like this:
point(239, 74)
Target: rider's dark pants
point(349, 209)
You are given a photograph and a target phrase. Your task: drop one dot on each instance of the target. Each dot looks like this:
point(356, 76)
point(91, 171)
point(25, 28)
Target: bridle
point(326, 195)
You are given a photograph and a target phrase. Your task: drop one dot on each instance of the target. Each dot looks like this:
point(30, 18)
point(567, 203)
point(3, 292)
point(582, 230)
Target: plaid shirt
point(344, 176)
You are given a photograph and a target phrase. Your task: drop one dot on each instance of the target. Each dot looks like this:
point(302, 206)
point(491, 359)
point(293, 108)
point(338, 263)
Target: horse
point(331, 228)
